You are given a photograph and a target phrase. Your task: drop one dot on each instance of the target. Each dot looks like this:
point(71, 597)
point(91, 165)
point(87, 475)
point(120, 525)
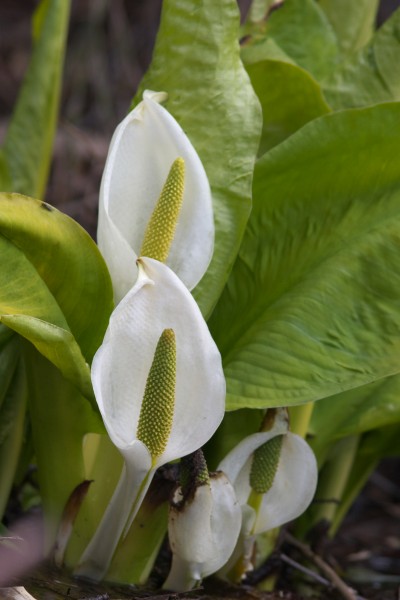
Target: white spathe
point(141, 153)
point(158, 301)
point(294, 484)
point(202, 534)
point(292, 490)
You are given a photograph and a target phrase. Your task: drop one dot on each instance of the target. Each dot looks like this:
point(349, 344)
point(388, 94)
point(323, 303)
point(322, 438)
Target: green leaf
point(29, 140)
point(311, 308)
point(373, 446)
point(23, 291)
point(302, 30)
point(356, 411)
point(60, 419)
point(371, 75)
point(8, 362)
point(52, 270)
point(263, 49)
point(5, 177)
point(380, 443)
point(13, 397)
point(58, 346)
point(353, 22)
point(196, 60)
point(289, 98)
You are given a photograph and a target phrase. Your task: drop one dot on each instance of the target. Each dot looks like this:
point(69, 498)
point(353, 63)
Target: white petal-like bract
point(158, 301)
point(142, 151)
point(293, 487)
point(294, 484)
point(202, 534)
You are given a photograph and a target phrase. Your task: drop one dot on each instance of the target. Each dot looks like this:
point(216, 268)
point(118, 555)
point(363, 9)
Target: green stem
point(300, 417)
point(334, 478)
point(121, 509)
point(266, 544)
point(359, 476)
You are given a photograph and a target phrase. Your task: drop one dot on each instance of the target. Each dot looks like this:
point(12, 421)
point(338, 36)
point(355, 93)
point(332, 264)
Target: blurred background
point(109, 48)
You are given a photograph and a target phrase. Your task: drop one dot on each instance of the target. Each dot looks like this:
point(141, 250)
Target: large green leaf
point(302, 30)
point(29, 139)
point(23, 292)
point(371, 75)
point(289, 97)
point(311, 308)
point(52, 270)
point(353, 21)
point(196, 60)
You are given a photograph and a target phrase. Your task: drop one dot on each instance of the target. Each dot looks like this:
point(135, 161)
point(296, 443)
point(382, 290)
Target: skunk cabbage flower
point(142, 158)
point(203, 529)
point(160, 388)
point(274, 474)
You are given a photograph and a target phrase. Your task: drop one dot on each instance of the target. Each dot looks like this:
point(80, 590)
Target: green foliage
point(352, 21)
point(371, 75)
point(316, 293)
point(55, 288)
point(335, 42)
point(60, 418)
point(302, 30)
point(289, 97)
point(355, 411)
point(27, 148)
point(311, 306)
point(13, 397)
point(26, 304)
point(196, 61)
point(56, 293)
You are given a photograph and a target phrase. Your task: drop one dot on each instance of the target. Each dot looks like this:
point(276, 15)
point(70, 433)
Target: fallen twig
point(346, 591)
point(309, 572)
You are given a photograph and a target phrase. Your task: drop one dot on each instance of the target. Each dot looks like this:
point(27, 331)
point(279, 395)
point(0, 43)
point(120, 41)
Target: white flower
point(160, 388)
point(291, 487)
point(142, 151)
point(202, 533)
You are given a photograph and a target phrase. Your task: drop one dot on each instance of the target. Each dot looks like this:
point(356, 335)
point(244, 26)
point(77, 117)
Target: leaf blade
point(29, 139)
point(311, 306)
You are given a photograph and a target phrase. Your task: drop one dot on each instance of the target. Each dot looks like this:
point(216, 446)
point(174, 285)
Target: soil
point(108, 51)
